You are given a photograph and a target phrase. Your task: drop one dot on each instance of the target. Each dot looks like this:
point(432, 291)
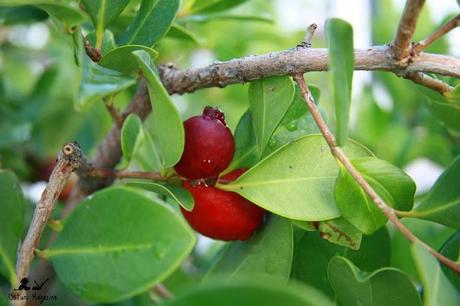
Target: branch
point(452, 24)
point(406, 29)
point(116, 116)
point(69, 159)
point(427, 81)
point(338, 153)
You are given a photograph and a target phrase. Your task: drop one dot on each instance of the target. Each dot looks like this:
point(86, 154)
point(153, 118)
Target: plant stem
point(452, 24)
point(338, 153)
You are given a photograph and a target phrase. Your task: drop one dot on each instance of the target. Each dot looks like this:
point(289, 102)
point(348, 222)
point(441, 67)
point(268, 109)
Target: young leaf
point(437, 290)
point(269, 100)
point(268, 252)
point(152, 22)
point(296, 181)
point(98, 82)
point(451, 249)
point(122, 58)
point(179, 32)
point(442, 204)
point(384, 287)
point(312, 255)
point(247, 291)
point(390, 182)
point(132, 126)
point(211, 6)
point(12, 208)
point(166, 126)
point(179, 194)
point(102, 12)
point(341, 65)
point(118, 243)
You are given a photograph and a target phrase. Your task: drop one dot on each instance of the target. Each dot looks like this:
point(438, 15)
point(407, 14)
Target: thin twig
point(421, 45)
point(104, 173)
point(116, 116)
point(406, 29)
point(427, 81)
point(161, 291)
point(69, 159)
point(306, 43)
point(338, 153)
point(93, 53)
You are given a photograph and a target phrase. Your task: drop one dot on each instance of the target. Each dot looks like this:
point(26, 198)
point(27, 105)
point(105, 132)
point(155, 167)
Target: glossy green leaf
point(386, 286)
point(437, 290)
point(118, 243)
point(296, 181)
point(108, 42)
point(341, 65)
point(228, 16)
point(341, 232)
point(21, 14)
point(312, 255)
point(268, 252)
point(166, 126)
point(269, 100)
point(130, 130)
point(12, 208)
point(98, 82)
point(442, 204)
point(444, 108)
point(250, 292)
point(451, 249)
point(210, 6)
point(179, 194)
point(390, 182)
point(179, 32)
point(152, 22)
point(122, 58)
point(102, 13)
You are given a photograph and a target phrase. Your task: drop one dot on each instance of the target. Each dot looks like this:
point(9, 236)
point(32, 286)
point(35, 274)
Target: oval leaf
point(296, 181)
point(341, 65)
point(387, 286)
point(390, 182)
point(451, 249)
point(166, 126)
point(132, 126)
point(118, 243)
point(442, 204)
point(210, 6)
point(269, 100)
point(269, 252)
point(12, 208)
point(437, 290)
point(179, 32)
point(122, 58)
point(152, 22)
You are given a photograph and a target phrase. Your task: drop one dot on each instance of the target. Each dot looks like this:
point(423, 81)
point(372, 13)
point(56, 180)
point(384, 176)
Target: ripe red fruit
point(222, 214)
point(209, 145)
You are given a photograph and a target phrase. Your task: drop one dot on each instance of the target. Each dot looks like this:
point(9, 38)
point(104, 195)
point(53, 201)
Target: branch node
point(306, 43)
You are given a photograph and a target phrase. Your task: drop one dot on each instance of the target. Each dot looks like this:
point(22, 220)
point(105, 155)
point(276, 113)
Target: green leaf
point(12, 208)
point(152, 22)
point(437, 290)
point(269, 252)
point(390, 182)
point(119, 243)
point(228, 16)
point(166, 126)
point(130, 130)
point(269, 100)
point(210, 6)
point(312, 255)
point(102, 13)
point(108, 42)
point(122, 58)
point(98, 82)
point(442, 204)
point(254, 291)
point(451, 249)
point(341, 65)
point(179, 32)
point(179, 194)
point(21, 14)
point(444, 108)
point(341, 232)
point(296, 181)
point(387, 286)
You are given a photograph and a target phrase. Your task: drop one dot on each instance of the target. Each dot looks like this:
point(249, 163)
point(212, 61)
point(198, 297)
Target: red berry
point(209, 145)
point(222, 214)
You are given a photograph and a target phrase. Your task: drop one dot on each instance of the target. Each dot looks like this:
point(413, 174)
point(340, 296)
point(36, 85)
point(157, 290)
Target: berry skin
point(209, 146)
point(222, 214)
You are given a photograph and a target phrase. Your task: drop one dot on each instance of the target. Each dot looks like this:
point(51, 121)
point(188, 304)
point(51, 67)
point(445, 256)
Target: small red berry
point(209, 145)
point(222, 214)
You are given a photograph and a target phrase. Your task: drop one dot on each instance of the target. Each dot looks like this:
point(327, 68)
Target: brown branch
point(69, 159)
point(452, 24)
point(161, 291)
point(93, 53)
point(427, 81)
point(116, 116)
point(406, 29)
point(338, 153)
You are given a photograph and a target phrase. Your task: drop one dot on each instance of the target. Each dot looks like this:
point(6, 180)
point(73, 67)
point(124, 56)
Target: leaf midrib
point(234, 186)
point(96, 250)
